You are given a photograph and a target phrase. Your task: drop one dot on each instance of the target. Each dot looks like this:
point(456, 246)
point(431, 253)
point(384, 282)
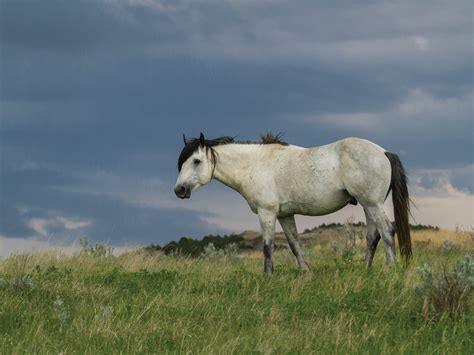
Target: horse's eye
point(196, 161)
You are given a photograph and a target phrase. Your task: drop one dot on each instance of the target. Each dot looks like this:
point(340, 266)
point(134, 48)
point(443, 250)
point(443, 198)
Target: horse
point(279, 180)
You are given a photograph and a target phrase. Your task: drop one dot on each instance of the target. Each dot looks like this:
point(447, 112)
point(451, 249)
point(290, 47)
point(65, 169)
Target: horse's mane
point(270, 138)
point(192, 144)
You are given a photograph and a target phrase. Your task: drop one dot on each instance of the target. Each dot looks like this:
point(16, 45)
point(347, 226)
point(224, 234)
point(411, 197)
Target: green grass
point(143, 303)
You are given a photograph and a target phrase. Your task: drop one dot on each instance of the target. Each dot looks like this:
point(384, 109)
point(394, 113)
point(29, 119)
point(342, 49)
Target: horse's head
point(195, 164)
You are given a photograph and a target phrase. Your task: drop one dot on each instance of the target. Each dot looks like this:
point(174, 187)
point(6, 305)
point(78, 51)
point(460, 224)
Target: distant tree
point(193, 247)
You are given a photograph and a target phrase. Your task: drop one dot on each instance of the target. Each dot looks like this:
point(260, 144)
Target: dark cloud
point(84, 25)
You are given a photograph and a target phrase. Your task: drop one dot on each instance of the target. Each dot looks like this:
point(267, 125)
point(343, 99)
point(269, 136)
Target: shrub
point(98, 250)
point(104, 314)
point(61, 311)
point(23, 282)
point(231, 250)
point(445, 291)
point(195, 248)
point(210, 251)
point(351, 232)
point(347, 248)
point(329, 226)
point(449, 246)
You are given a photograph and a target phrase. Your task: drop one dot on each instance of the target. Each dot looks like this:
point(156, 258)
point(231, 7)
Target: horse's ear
point(184, 139)
point(201, 139)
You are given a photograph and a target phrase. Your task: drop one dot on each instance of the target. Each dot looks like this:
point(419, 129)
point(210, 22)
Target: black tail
point(401, 205)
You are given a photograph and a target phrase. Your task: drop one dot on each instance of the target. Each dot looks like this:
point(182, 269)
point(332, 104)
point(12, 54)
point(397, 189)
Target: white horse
point(280, 180)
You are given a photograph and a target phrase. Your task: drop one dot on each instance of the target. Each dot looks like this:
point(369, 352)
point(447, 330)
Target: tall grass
point(139, 302)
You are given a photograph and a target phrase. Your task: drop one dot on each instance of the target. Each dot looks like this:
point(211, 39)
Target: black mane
point(192, 145)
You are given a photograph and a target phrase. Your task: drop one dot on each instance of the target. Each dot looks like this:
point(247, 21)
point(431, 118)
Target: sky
point(95, 97)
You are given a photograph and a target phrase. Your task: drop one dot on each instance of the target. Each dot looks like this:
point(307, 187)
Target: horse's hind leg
point(373, 238)
point(289, 228)
point(376, 215)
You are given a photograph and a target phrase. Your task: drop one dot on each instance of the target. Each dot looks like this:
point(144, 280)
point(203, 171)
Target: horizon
point(38, 245)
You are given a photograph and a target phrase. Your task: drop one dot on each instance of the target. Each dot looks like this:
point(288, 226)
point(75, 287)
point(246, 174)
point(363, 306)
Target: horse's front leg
point(267, 220)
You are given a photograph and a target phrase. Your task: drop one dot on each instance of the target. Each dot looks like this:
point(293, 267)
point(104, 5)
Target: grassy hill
point(152, 302)
point(333, 233)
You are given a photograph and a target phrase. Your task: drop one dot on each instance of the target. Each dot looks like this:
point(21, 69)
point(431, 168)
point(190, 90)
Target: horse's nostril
point(180, 191)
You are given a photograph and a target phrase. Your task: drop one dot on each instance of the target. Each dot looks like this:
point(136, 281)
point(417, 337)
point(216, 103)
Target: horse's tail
point(401, 205)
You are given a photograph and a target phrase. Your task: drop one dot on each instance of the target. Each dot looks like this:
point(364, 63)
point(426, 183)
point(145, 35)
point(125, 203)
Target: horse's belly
point(317, 206)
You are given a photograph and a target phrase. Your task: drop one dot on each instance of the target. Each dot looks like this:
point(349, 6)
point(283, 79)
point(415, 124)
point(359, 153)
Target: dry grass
point(436, 238)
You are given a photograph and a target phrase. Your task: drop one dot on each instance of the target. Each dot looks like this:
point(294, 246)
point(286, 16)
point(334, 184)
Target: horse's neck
point(234, 162)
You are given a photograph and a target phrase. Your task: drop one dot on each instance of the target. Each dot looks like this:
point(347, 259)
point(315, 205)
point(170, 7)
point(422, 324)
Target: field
point(150, 302)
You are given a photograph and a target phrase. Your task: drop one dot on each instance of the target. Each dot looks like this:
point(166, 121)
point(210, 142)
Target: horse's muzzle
point(182, 191)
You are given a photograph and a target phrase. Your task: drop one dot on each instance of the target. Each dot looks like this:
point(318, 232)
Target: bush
point(347, 248)
point(352, 232)
point(61, 311)
point(104, 314)
point(98, 250)
point(195, 248)
point(447, 291)
point(232, 250)
point(23, 282)
point(450, 246)
point(210, 251)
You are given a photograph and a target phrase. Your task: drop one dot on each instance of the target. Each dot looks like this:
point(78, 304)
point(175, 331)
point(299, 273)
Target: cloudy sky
point(96, 94)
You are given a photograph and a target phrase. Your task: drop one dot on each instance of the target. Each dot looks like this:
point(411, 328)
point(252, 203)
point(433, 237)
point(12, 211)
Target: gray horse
point(279, 180)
